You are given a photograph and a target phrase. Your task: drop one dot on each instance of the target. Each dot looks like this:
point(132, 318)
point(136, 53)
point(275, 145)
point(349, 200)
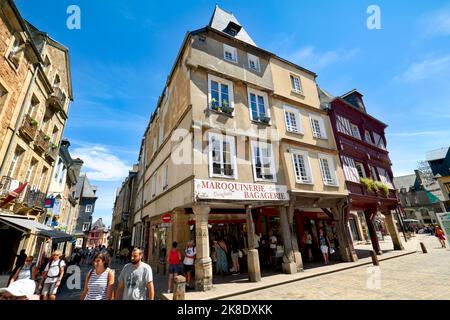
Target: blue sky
point(125, 49)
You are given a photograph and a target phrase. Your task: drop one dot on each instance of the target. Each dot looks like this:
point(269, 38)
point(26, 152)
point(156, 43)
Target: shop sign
point(228, 190)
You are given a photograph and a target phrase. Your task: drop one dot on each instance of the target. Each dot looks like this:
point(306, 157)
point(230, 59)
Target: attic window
point(232, 29)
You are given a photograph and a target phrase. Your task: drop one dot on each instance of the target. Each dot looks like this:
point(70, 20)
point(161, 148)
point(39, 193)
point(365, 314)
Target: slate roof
point(437, 154)
point(406, 182)
point(220, 21)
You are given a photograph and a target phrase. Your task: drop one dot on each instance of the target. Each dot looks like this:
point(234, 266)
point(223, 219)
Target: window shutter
point(350, 170)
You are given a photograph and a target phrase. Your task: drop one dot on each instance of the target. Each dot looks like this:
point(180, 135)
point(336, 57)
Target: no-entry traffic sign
point(166, 218)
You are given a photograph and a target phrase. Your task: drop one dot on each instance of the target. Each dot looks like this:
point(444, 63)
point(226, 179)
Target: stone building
point(35, 94)
point(98, 235)
point(420, 200)
point(238, 146)
point(122, 218)
point(439, 162)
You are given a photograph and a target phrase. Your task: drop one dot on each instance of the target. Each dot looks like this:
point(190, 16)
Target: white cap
point(20, 288)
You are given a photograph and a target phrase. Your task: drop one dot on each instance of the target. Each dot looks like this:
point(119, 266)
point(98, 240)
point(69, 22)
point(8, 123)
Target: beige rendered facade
point(35, 93)
point(237, 146)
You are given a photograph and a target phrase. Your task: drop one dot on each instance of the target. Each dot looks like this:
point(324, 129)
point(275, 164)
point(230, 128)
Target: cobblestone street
point(416, 276)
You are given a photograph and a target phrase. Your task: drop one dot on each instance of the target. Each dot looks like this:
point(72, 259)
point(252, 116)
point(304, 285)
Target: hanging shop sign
point(227, 190)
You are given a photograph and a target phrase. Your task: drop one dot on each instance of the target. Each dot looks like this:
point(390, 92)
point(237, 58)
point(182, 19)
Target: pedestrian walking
point(189, 260)
point(307, 240)
point(273, 248)
point(22, 289)
point(221, 254)
point(324, 245)
point(99, 283)
point(440, 235)
point(53, 274)
point(173, 261)
point(27, 271)
point(136, 279)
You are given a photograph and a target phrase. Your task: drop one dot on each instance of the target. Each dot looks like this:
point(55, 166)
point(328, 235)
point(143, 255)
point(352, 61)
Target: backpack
point(59, 269)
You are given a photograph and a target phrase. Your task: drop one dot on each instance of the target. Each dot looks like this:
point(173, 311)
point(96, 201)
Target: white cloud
point(100, 164)
point(311, 58)
point(430, 67)
point(438, 23)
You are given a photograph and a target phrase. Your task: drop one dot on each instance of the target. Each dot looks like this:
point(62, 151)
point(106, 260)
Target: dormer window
point(232, 29)
point(229, 53)
point(253, 62)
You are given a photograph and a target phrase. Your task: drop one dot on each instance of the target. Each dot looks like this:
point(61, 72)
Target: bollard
point(374, 258)
point(179, 288)
point(424, 249)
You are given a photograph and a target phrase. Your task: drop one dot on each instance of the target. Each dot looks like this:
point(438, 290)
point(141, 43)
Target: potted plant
point(54, 146)
point(369, 184)
point(383, 188)
point(214, 104)
point(33, 122)
point(46, 138)
point(264, 119)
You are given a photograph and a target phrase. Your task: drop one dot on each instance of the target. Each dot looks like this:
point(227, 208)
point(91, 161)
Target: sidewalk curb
point(227, 295)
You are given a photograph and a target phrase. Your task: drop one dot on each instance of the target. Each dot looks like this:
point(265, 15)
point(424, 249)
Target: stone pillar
point(254, 272)
point(342, 214)
point(179, 288)
point(297, 255)
point(370, 215)
point(180, 228)
point(392, 228)
point(289, 265)
point(203, 262)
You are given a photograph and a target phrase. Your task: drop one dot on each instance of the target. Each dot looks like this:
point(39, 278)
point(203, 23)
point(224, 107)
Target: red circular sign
point(166, 217)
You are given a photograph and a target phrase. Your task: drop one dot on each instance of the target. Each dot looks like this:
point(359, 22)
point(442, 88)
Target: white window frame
point(15, 159)
point(230, 91)
point(153, 181)
point(367, 137)
point(86, 226)
point(350, 170)
point(165, 176)
point(232, 50)
point(323, 132)
point(292, 78)
point(269, 147)
point(255, 60)
point(355, 131)
point(331, 168)
point(161, 131)
point(90, 208)
point(298, 119)
point(373, 173)
point(379, 141)
point(306, 160)
point(155, 145)
point(266, 103)
point(357, 163)
point(384, 177)
point(343, 125)
point(221, 138)
point(30, 171)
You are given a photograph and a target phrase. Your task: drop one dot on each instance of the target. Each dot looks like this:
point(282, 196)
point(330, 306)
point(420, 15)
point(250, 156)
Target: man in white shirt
point(53, 274)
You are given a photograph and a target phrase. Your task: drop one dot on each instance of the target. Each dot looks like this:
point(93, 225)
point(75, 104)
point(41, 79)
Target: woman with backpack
point(27, 271)
point(99, 283)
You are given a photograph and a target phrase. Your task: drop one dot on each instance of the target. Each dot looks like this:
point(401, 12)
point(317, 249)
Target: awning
point(36, 227)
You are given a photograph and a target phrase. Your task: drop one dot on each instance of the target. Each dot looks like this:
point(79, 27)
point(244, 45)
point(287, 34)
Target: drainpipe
point(19, 119)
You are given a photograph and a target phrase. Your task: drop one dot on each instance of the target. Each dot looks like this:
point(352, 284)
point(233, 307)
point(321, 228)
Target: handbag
point(240, 254)
point(332, 251)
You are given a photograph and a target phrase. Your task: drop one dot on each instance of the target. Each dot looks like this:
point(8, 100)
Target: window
point(220, 94)
point(350, 170)
point(296, 84)
point(62, 175)
point(58, 168)
point(253, 62)
point(3, 95)
point(373, 173)
point(229, 53)
point(263, 161)
point(293, 120)
point(300, 160)
point(367, 137)
point(14, 53)
point(54, 137)
point(361, 170)
point(165, 176)
point(328, 170)
point(31, 170)
point(259, 105)
point(379, 141)
point(222, 156)
point(153, 185)
point(343, 125)
point(43, 178)
point(318, 127)
point(155, 144)
point(86, 226)
point(385, 178)
point(355, 131)
point(56, 81)
point(15, 162)
point(161, 131)
point(88, 208)
point(34, 105)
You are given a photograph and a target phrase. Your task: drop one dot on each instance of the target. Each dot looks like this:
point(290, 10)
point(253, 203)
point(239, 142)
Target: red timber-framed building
point(361, 142)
